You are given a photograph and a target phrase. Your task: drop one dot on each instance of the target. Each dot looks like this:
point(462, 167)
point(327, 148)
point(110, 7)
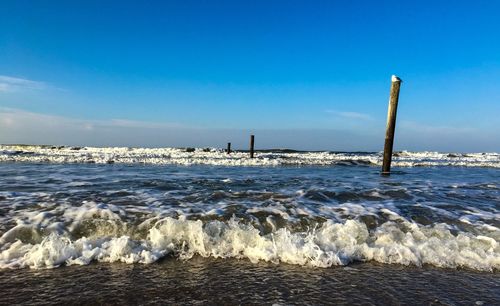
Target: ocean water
point(328, 220)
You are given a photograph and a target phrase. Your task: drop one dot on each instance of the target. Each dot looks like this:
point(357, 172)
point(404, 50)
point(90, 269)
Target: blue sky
point(299, 74)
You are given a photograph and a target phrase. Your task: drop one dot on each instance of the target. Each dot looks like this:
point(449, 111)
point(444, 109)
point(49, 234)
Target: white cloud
point(13, 84)
point(351, 115)
point(432, 129)
point(417, 136)
point(10, 117)
point(19, 126)
point(139, 124)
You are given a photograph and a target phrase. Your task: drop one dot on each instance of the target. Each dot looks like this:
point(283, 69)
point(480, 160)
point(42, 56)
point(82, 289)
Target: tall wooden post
point(228, 148)
point(391, 124)
point(252, 142)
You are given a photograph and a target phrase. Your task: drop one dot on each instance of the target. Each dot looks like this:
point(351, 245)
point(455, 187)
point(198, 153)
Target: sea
point(114, 226)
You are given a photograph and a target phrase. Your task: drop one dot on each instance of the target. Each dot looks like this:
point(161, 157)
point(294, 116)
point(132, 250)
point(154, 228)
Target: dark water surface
point(232, 282)
point(140, 234)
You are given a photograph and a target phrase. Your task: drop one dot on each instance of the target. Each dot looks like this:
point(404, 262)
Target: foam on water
point(65, 214)
point(45, 242)
point(217, 157)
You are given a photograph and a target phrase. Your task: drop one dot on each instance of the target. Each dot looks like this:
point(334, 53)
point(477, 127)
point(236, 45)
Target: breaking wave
point(218, 157)
point(98, 232)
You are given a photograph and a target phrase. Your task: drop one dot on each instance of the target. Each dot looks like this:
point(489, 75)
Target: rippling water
point(310, 222)
point(210, 281)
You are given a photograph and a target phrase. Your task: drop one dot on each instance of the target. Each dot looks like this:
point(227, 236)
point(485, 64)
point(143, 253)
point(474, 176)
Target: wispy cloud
point(13, 84)
point(433, 129)
point(417, 136)
point(140, 124)
point(350, 115)
point(19, 126)
point(11, 117)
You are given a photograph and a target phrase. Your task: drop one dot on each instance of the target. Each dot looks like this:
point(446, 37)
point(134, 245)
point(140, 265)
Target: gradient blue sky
point(299, 74)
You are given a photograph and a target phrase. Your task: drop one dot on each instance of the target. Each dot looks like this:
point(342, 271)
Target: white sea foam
point(38, 154)
point(314, 222)
point(332, 243)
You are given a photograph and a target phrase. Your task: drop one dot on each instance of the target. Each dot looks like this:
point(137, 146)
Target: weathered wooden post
point(252, 142)
point(391, 124)
point(228, 148)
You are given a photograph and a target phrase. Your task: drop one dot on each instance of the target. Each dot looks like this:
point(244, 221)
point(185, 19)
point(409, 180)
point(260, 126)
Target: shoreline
point(232, 281)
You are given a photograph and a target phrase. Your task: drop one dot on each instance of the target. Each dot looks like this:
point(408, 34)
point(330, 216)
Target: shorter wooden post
point(252, 142)
point(391, 125)
point(228, 148)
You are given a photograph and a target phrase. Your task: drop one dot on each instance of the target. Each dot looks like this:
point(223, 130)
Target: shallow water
point(319, 216)
point(230, 282)
point(287, 234)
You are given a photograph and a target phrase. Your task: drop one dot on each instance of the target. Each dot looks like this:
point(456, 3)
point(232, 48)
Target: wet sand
point(230, 281)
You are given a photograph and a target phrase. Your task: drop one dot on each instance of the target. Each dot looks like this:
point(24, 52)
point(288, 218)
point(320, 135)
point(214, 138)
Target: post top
point(396, 78)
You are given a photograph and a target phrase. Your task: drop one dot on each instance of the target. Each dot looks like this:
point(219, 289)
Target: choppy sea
point(136, 225)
